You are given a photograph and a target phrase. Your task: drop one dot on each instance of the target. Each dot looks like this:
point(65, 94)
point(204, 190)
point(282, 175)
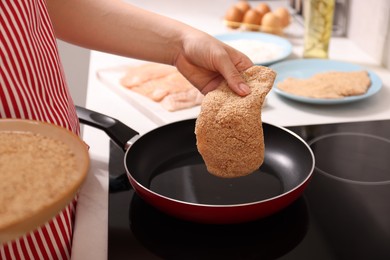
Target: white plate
point(111, 77)
point(269, 48)
point(305, 68)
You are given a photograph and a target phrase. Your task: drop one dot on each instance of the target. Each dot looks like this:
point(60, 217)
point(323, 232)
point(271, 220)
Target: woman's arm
point(119, 28)
point(116, 27)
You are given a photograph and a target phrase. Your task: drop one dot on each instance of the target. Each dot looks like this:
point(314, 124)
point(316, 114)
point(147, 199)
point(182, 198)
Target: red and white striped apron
point(32, 86)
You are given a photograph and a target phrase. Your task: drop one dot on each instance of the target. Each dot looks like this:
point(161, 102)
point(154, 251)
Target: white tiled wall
point(369, 27)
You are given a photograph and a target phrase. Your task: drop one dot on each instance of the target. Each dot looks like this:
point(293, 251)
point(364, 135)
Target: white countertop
point(90, 235)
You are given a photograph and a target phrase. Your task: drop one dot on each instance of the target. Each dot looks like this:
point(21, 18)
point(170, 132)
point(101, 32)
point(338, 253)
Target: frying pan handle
point(115, 129)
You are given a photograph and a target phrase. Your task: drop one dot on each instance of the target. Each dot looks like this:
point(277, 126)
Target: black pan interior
point(166, 161)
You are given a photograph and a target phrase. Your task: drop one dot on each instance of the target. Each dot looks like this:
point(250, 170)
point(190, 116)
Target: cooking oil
point(318, 15)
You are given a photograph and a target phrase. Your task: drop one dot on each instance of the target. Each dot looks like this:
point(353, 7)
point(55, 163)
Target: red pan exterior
point(222, 214)
point(211, 214)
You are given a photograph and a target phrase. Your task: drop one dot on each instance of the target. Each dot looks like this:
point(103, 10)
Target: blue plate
point(305, 68)
point(285, 45)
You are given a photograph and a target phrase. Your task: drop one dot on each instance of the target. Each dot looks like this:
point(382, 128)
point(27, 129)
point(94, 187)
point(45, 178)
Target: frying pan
point(166, 170)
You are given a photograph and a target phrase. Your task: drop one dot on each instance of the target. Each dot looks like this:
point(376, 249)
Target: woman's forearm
point(117, 27)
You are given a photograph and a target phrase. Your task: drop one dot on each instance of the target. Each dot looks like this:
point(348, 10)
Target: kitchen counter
point(90, 234)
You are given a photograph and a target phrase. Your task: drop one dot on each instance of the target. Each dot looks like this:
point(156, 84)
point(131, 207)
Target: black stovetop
point(343, 214)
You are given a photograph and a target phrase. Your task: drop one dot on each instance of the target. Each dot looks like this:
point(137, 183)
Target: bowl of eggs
point(243, 15)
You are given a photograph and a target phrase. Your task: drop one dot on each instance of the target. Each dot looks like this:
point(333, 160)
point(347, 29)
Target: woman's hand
point(205, 62)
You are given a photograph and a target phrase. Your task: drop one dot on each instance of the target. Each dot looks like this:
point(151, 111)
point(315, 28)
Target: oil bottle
point(318, 15)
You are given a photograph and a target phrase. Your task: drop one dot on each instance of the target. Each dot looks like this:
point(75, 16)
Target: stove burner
point(353, 157)
point(171, 238)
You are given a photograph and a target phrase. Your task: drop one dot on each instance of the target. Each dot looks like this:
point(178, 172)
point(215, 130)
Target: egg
point(271, 24)
point(263, 8)
point(252, 20)
point(233, 17)
point(283, 15)
point(243, 6)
